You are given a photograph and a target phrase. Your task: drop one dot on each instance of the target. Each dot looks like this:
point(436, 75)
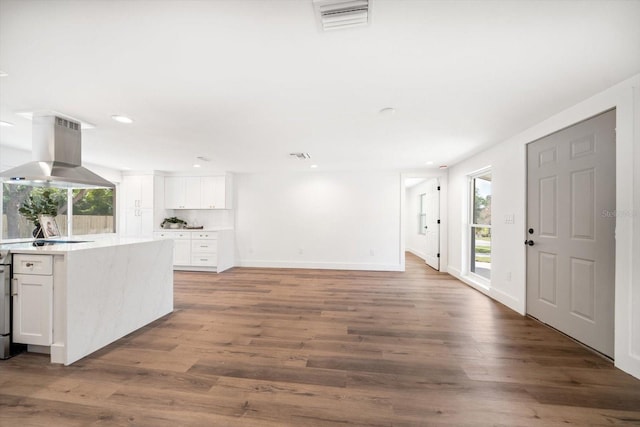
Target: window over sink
point(91, 210)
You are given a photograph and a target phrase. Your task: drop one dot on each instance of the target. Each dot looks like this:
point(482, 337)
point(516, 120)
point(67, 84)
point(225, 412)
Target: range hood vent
point(56, 153)
point(339, 14)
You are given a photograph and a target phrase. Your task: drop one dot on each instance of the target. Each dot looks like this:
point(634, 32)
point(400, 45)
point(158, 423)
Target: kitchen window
point(92, 210)
point(480, 224)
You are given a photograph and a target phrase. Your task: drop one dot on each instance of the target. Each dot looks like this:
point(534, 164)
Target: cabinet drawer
point(204, 235)
point(176, 235)
point(33, 264)
point(204, 245)
point(205, 260)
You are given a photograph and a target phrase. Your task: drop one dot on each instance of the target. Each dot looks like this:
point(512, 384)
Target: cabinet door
point(132, 224)
point(174, 196)
point(131, 191)
point(146, 222)
point(32, 309)
point(181, 252)
point(192, 186)
point(146, 192)
point(213, 192)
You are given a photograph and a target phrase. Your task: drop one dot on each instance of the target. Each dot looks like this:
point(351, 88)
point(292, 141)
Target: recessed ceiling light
point(429, 163)
point(5, 124)
point(314, 166)
point(121, 119)
point(388, 111)
point(3, 73)
point(196, 165)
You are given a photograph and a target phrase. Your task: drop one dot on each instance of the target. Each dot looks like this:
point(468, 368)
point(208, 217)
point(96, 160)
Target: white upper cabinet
point(138, 191)
point(182, 192)
point(213, 192)
point(188, 192)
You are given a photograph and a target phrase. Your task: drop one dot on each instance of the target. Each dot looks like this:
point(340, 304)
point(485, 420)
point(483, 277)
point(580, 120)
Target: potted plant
point(41, 201)
point(173, 222)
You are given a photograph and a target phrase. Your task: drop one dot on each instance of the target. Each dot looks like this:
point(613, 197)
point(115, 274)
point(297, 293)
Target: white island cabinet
point(32, 291)
point(73, 299)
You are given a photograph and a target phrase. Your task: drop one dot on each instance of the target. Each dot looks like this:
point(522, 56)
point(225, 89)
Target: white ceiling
point(245, 82)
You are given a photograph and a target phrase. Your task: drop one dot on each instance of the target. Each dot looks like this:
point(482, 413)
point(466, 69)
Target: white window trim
point(471, 277)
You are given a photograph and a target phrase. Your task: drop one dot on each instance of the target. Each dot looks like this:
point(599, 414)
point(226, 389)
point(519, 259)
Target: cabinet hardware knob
point(29, 264)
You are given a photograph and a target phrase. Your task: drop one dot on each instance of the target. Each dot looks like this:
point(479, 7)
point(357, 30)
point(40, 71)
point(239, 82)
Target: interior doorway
point(422, 219)
point(570, 237)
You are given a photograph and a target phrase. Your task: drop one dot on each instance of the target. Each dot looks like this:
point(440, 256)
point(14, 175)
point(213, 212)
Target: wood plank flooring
point(278, 347)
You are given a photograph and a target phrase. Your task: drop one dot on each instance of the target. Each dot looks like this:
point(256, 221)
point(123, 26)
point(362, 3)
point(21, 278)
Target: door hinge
point(438, 188)
point(438, 221)
point(438, 255)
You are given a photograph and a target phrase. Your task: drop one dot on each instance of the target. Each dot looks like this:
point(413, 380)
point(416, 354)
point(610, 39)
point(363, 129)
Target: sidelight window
point(480, 224)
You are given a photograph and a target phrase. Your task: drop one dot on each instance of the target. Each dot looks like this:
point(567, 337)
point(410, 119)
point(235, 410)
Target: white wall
point(507, 160)
point(342, 220)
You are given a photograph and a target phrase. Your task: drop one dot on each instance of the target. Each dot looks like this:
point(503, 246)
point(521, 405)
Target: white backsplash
point(208, 218)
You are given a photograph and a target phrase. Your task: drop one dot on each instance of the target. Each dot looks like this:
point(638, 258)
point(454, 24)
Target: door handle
point(14, 287)
point(529, 242)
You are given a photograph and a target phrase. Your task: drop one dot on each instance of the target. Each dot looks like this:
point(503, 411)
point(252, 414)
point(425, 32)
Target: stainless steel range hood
point(57, 155)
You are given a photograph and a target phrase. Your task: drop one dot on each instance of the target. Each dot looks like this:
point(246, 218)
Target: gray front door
point(571, 224)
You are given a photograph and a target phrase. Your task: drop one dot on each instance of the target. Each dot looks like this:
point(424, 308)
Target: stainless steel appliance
point(7, 348)
point(57, 157)
point(5, 304)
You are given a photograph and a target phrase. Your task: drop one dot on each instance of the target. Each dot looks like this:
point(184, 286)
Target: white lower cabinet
point(200, 248)
point(32, 291)
point(204, 252)
point(181, 245)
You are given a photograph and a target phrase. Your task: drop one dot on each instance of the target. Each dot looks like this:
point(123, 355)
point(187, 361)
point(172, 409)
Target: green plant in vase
point(41, 201)
point(173, 222)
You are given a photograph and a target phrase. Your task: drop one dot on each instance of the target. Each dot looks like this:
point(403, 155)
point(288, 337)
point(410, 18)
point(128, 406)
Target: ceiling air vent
point(338, 14)
point(301, 156)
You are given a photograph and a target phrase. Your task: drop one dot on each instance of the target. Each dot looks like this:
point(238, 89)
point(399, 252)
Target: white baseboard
point(493, 293)
point(319, 265)
point(508, 300)
point(417, 253)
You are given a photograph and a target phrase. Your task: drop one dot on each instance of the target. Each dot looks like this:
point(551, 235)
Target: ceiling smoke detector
point(301, 156)
point(339, 14)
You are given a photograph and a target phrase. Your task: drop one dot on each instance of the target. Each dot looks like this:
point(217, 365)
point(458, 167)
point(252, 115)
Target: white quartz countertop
point(27, 245)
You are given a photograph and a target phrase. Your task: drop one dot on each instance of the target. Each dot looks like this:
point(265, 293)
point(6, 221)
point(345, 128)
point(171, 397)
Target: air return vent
point(338, 14)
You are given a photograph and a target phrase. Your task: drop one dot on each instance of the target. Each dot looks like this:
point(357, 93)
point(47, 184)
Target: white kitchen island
point(72, 299)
